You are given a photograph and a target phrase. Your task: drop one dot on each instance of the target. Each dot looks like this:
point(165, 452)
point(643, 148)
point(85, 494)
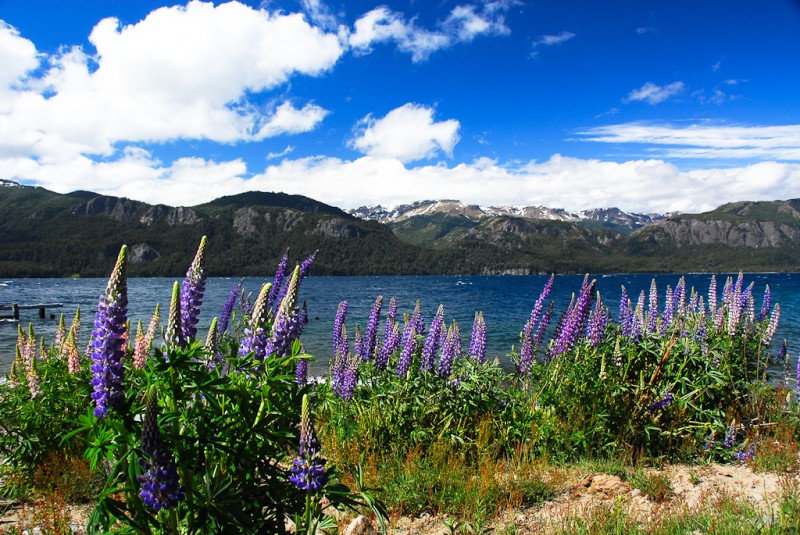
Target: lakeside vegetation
point(167, 430)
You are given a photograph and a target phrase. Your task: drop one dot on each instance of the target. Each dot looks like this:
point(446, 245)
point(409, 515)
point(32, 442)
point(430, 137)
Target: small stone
point(361, 525)
point(635, 492)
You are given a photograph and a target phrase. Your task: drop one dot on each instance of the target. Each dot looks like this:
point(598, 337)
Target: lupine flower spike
point(61, 335)
point(432, 341)
point(287, 327)
point(192, 290)
point(450, 351)
point(108, 340)
point(256, 338)
point(371, 334)
point(174, 334)
point(277, 283)
point(139, 355)
point(227, 309)
point(70, 351)
point(477, 343)
point(212, 344)
point(308, 470)
point(160, 485)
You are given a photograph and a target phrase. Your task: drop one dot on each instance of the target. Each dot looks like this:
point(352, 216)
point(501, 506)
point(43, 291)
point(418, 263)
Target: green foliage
point(226, 421)
point(30, 427)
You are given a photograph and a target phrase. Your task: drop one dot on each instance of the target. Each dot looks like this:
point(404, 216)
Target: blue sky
point(648, 106)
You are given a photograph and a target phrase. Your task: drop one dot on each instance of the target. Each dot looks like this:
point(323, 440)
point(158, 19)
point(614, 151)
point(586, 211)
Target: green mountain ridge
point(50, 234)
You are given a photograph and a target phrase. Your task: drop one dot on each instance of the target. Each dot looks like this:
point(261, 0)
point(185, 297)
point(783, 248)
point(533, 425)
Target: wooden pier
point(15, 308)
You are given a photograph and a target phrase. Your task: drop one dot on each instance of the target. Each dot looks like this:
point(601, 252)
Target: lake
point(506, 302)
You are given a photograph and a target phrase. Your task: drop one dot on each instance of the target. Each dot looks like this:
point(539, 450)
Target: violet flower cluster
point(531, 341)
point(433, 340)
point(227, 308)
point(109, 340)
point(308, 469)
point(661, 404)
point(256, 339)
point(161, 487)
point(477, 343)
point(370, 340)
point(451, 350)
point(574, 324)
point(192, 291)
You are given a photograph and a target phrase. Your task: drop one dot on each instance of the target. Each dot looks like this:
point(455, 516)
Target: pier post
point(15, 311)
point(41, 313)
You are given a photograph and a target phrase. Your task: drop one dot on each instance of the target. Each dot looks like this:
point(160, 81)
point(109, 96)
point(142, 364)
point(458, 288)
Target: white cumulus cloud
point(184, 72)
point(407, 133)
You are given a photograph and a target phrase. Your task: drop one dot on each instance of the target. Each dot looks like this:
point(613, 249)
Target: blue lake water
point(505, 301)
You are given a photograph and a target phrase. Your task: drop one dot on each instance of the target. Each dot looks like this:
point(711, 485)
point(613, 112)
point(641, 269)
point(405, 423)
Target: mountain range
point(43, 233)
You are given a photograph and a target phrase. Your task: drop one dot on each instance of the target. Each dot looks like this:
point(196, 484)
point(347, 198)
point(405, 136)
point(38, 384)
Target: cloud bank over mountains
point(126, 119)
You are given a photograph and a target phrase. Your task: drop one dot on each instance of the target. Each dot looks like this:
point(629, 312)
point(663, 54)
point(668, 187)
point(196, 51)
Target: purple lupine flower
point(404, 362)
point(597, 323)
point(669, 311)
point(543, 325)
point(358, 341)
point(679, 297)
point(575, 324)
point(287, 325)
point(766, 303)
point(451, 350)
point(694, 301)
point(638, 318)
point(244, 303)
point(108, 343)
point(277, 283)
point(302, 273)
point(730, 436)
point(256, 339)
point(301, 373)
point(652, 311)
point(432, 341)
point(772, 326)
point(415, 324)
point(345, 375)
point(745, 456)
point(477, 342)
point(712, 294)
point(749, 305)
point(798, 376)
point(371, 334)
point(306, 264)
point(339, 331)
point(539, 304)
point(227, 309)
point(625, 313)
point(308, 469)
point(391, 341)
point(663, 403)
point(526, 351)
point(161, 487)
point(192, 290)
point(737, 300)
